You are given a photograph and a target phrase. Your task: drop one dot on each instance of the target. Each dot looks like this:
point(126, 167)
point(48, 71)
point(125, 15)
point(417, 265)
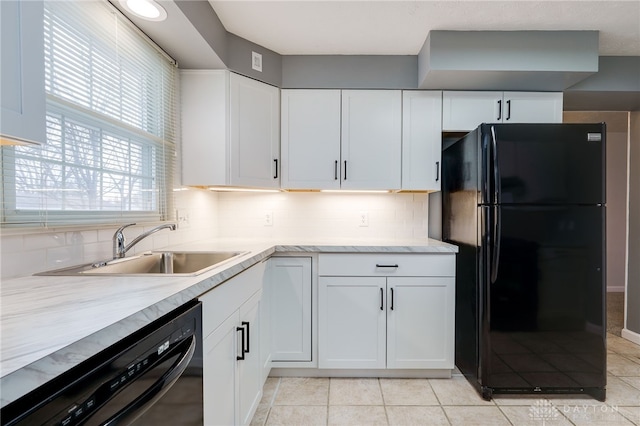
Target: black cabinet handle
point(500, 110)
point(392, 298)
point(275, 176)
point(381, 299)
point(248, 334)
point(509, 109)
point(335, 170)
point(345, 169)
point(241, 330)
point(386, 266)
point(437, 171)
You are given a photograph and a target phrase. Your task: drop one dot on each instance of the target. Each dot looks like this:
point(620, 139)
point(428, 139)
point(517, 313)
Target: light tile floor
point(339, 401)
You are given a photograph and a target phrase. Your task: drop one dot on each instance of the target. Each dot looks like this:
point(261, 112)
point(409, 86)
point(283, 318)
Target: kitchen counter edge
point(53, 360)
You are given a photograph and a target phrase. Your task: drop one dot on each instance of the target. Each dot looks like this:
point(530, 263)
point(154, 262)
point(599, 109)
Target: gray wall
point(206, 22)
point(349, 72)
point(633, 286)
point(239, 60)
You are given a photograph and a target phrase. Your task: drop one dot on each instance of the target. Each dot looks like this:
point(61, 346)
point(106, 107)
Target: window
point(111, 108)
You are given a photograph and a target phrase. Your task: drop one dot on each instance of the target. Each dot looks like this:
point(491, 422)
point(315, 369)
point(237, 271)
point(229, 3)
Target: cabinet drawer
point(385, 264)
point(223, 300)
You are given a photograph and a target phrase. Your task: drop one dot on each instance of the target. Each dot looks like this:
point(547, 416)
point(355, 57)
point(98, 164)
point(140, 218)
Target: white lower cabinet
point(220, 375)
point(420, 322)
point(290, 306)
point(352, 322)
point(249, 365)
point(232, 366)
point(389, 319)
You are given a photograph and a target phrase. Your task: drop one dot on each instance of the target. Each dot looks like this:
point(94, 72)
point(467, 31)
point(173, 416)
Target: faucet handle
point(119, 242)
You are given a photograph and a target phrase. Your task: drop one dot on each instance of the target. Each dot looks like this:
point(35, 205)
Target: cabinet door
point(266, 326)
point(204, 115)
point(250, 368)
point(22, 116)
point(371, 139)
point(220, 385)
point(351, 322)
point(421, 140)
point(254, 133)
point(420, 322)
point(532, 107)
point(464, 111)
point(311, 139)
point(290, 287)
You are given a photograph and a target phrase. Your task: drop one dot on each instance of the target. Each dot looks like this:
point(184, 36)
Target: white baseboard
point(632, 336)
point(615, 289)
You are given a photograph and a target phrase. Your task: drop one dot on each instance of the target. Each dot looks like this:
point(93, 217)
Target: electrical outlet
point(268, 219)
point(363, 219)
point(182, 217)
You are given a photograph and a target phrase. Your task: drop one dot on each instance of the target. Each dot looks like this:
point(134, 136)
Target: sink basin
point(153, 263)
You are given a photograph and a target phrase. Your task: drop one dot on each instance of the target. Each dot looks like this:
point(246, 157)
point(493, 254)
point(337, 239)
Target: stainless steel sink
point(153, 263)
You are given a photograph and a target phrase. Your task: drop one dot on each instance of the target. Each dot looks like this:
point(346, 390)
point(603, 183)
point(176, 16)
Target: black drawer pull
point(241, 330)
point(386, 266)
point(248, 334)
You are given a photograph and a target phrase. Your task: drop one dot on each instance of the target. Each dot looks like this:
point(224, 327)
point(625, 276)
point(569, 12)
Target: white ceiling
point(400, 27)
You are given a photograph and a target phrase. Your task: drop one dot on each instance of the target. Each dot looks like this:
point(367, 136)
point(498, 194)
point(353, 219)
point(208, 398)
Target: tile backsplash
point(322, 215)
point(40, 250)
point(227, 215)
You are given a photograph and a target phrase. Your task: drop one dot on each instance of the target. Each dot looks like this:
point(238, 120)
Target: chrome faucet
point(120, 247)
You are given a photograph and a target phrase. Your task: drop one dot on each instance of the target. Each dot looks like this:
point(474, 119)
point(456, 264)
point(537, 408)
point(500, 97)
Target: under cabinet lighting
point(234, 189)
point(146, 9)
point(355, 191)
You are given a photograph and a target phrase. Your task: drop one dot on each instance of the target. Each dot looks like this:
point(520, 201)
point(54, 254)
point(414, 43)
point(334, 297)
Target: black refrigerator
point(525, 204)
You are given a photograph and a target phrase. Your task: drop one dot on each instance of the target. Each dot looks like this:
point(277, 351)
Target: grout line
point(275, 393)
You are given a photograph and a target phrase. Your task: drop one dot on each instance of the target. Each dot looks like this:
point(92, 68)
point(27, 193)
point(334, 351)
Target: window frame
point(164, 163)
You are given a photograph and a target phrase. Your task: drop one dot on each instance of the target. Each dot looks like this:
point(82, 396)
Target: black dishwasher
point(151, 377)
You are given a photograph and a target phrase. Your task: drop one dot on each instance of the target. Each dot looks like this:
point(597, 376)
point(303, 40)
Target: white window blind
point(111, 128)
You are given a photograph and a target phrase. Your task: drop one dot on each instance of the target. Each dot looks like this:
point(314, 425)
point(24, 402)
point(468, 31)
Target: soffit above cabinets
point(507, 60)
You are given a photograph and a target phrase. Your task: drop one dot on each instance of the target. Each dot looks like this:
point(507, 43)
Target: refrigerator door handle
point(496, 236)
point(497, 217)
point(496, 171)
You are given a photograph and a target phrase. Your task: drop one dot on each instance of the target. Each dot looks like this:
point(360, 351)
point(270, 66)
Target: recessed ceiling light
point(146, 9)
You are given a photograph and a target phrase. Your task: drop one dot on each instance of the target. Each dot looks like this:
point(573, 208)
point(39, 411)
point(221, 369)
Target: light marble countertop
point(50, 324)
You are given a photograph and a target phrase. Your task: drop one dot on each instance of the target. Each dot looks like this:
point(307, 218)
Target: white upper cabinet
point(230, 130)
point(22, 117)
point(532, 107)
point(311, 139)
point(205, 127)
point(254, 133)
point(348, 139)
point(464, 111)
point(421, 140)
point(371, 139)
